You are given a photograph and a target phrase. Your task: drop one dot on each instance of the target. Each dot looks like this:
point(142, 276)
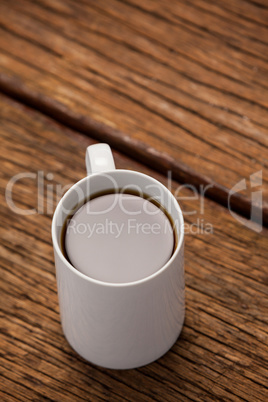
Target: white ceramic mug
point(124, 325)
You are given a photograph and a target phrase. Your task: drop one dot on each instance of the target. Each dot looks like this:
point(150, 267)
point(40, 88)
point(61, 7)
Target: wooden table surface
point(178, 85)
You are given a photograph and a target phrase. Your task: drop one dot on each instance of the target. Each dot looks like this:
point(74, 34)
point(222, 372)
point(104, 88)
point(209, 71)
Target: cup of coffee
point(118, 244)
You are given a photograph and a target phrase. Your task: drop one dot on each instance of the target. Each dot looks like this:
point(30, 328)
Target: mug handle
point(99, 158)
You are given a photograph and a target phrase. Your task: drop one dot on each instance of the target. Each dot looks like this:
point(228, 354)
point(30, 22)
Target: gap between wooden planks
point(222, 351)
point(193, 99)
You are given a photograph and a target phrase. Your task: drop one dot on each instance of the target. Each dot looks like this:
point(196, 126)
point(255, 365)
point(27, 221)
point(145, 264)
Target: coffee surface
point(119, 238)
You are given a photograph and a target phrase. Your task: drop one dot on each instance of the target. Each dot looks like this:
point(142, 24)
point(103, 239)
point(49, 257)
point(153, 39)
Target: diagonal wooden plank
point(193, 100)
point(222, 351)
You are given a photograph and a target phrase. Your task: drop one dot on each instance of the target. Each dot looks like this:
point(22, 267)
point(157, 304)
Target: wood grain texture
point(221, 354)
point(180, 85)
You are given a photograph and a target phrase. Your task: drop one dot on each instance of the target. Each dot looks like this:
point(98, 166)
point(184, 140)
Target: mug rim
point(68, 265)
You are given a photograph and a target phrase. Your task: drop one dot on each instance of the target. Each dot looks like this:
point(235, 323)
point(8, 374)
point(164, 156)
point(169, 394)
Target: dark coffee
point(119, 237)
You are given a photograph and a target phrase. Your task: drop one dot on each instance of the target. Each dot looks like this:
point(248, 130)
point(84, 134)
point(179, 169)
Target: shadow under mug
point(119, 325)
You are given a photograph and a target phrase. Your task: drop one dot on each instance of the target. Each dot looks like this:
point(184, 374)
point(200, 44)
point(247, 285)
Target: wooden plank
point(222, 351)
point(179, 85)
point(250, 11)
